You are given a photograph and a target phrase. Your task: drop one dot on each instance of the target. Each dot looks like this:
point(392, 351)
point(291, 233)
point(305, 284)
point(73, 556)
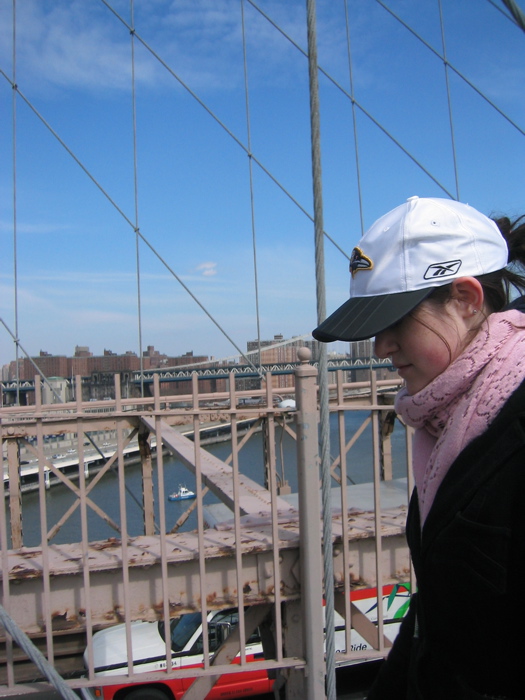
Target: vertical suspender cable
point(252, 204)
point(323, 359)
point(449, 101)
point(15, 256)
point(354, 119)
point(135, 181)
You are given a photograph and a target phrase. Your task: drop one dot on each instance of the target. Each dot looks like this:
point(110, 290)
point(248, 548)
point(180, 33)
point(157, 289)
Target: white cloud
point(30, 228)
point(73, 44)
point(207, 269)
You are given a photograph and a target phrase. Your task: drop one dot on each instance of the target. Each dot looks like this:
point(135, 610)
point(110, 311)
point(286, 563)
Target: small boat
point(183, 494)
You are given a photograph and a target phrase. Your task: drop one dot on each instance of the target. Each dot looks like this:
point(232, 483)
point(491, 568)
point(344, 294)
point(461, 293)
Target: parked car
point(149, 650)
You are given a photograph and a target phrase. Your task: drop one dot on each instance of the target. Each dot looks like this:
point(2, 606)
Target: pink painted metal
point(253, 557)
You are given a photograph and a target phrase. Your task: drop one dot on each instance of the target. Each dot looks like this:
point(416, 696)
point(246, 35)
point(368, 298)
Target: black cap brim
point(364, 317)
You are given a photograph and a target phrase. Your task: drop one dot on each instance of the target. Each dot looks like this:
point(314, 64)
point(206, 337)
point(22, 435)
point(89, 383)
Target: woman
point(430, 282)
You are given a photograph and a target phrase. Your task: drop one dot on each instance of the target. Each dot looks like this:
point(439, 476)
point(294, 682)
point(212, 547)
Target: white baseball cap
point(423, 244)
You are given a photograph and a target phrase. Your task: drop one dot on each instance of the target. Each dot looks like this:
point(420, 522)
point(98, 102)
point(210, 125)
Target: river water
point(105, 494)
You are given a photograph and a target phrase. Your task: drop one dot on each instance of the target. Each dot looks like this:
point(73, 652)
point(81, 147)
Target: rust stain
point(110, 543)
point(20, 572)
point(60, 621)
point(225, 550)
point(19, 567)
point(118, 613)
point(356, 580)
point(31, 555)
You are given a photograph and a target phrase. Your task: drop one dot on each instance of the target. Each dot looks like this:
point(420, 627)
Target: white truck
point(149, 650)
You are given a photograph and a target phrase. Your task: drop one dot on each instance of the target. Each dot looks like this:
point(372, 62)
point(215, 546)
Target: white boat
point(183, 494)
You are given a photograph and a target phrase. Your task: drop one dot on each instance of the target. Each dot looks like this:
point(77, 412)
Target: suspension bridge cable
point(324, 410)
point(358, 105)
point(36, 656)
point(517, 13)
point(453, 68)
point(354, 118)
point(15, 220)
point(136, 191)
point(128, 220)
point(449, 99)
point(222, 124)
point(250, 168)
point(502, 11)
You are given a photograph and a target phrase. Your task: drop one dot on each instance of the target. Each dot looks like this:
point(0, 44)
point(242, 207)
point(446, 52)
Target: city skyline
point(157, 358)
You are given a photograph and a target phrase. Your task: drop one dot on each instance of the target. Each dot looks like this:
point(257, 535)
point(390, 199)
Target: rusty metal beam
point(105, 562)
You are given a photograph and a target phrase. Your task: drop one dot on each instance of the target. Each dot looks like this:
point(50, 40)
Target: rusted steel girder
point(103, 563)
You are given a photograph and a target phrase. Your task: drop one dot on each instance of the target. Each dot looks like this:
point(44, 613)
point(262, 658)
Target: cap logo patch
point(443, 269)
point(359, 261)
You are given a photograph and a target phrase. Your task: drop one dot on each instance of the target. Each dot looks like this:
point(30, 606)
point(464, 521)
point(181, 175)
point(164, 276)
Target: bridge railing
point(62, 581)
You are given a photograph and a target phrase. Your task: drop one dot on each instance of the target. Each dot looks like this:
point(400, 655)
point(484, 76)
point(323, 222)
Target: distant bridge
point(180, 374)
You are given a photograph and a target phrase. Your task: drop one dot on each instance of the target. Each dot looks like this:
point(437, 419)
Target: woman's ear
point(468, 292)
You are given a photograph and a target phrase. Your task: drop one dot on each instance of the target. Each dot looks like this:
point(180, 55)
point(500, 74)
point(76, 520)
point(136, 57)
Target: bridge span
point(262, 555)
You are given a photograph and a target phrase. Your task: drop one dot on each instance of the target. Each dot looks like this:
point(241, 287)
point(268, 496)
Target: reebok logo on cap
point(443, 269)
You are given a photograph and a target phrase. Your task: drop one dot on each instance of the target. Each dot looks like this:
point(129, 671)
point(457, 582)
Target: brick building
point(278, 351)
point(152, 359)
point(84, 364)
point(98, 371)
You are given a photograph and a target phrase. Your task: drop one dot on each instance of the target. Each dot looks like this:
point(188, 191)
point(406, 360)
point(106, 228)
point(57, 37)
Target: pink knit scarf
point(459, 404)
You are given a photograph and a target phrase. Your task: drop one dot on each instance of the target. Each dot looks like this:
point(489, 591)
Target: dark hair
point(497, 286)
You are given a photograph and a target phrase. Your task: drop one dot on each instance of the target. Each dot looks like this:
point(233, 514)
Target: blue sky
point(76, 255)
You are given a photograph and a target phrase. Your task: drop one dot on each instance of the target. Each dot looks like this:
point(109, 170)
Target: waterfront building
point(277, 351)
point(98, 373)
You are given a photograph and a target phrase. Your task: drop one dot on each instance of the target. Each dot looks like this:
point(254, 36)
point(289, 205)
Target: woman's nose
point(385, 344)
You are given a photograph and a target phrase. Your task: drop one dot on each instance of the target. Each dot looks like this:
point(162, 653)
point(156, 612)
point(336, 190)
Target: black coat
point(469, 639)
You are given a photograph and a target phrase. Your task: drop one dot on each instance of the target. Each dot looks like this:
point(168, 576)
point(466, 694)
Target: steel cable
point(449, 99)
point(250, 168)
point(36, 655)
point(328, 564)
point(136, 194)
point(517, 13)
